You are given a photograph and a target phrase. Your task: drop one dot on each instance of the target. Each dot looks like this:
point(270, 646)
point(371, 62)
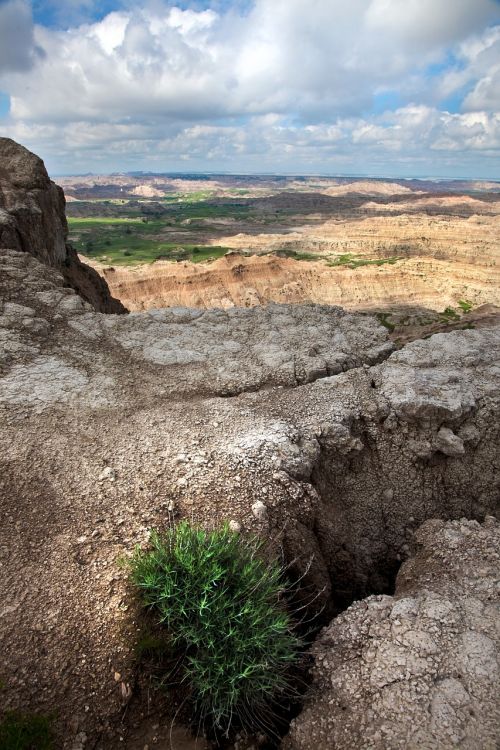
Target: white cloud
point(282, 57)
point(288, 82)
point(426, 24)
point(383, 144)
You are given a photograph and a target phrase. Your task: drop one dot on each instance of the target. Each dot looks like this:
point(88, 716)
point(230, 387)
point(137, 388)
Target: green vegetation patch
point(26, 732)
point(196, 196)
point(222, 606)
point(355, 261)
point(120, 241)
point(450, 314)
point(286, 252)
point(96, 223)
point(465, 306)
point(383, 318)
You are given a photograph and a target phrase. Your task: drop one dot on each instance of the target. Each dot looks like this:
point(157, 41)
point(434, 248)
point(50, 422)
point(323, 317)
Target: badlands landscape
point(369, 465)
point(419, 254)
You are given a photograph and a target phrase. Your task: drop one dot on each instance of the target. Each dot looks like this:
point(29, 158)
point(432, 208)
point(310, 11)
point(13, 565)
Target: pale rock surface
point(102, 438)
point(420, 669)
point(218, 351)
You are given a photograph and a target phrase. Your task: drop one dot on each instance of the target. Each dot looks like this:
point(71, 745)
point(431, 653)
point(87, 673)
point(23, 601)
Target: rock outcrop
point(32, 220)
point(420, 669)
point(297, 423)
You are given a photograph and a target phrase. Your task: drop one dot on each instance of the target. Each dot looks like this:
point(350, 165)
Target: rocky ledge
point(33, 220)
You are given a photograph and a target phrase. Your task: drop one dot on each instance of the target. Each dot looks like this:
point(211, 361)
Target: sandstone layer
point(441, 259)
point(419, 669)
point(32, 219)
point(248, 281)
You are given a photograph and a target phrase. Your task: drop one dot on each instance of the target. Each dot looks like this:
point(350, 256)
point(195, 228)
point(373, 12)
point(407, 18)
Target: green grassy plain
point(129, 241)
point(168, 229)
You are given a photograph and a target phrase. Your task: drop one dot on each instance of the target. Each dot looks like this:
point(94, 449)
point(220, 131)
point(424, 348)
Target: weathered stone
point(449, 443)
point(32, 220)
point(422, 668)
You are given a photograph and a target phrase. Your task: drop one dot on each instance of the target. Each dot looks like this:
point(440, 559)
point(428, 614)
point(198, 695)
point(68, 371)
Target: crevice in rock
point(298, 383)
point(377, 478)
point(318, 611)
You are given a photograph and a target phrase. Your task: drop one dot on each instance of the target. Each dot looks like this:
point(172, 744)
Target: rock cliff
point(32, 220)
point(297, 423)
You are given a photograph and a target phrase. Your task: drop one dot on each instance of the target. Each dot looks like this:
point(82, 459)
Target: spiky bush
point(223, 607)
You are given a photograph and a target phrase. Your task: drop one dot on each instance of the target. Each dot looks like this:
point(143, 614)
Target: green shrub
point(465, 305)
point(223, 607)
point(450, 314)
point(25, 732)
point(383, 319)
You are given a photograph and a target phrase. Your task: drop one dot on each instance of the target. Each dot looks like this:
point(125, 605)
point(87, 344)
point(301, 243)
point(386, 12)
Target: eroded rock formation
point(420, 669)
point(32, 220)
point(110, 421)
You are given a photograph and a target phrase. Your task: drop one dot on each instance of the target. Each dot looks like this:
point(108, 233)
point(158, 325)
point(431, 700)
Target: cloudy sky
point(374, 87)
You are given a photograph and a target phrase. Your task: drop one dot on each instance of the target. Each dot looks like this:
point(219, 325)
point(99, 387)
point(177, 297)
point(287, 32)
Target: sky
point(401, 88)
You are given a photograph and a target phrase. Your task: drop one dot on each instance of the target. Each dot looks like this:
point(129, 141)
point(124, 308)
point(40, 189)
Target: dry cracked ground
point(299, 423)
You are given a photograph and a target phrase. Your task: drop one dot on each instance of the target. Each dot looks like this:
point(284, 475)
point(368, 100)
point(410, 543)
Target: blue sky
point(55, 14)
point(380, 87)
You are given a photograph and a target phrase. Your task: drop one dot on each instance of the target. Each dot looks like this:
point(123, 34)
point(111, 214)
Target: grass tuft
point(223, 608)
point(25, 732)
point(383, 318)
point(449, 314)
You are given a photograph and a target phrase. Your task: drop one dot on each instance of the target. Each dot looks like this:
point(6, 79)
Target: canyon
point(408, 250)
point(371, 470)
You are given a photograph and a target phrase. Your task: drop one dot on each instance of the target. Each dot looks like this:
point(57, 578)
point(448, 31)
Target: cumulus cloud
point(270, 82)
point(18, 51)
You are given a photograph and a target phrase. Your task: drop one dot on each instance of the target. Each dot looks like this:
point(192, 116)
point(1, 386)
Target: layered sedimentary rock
point(420, 669)
point(447, 249)
point(32, 219)
point(237, 280)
